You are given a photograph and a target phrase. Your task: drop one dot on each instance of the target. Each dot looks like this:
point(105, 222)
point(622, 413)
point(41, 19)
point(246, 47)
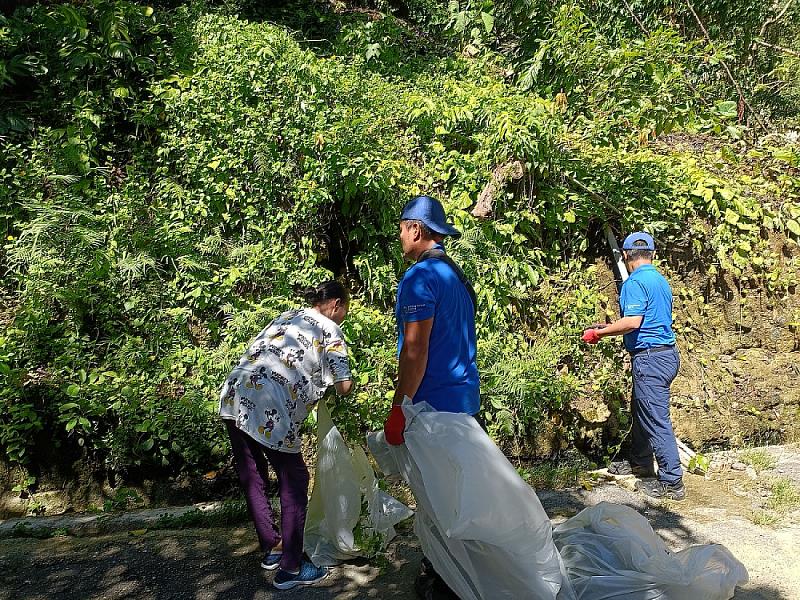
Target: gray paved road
point(216, 564)
point(197, 563)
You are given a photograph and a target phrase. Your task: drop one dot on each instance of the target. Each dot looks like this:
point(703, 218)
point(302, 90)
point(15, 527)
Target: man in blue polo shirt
point(435, 321)
point(646, 326)
point(436, 346)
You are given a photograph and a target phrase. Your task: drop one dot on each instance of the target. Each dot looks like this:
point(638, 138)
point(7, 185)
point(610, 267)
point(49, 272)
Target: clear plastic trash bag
point(478, 522)
point(611, 551)
point(348, 514)
point(487, 535)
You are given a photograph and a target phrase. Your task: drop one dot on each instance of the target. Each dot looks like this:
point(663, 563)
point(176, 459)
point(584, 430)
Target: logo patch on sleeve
point(412, 308)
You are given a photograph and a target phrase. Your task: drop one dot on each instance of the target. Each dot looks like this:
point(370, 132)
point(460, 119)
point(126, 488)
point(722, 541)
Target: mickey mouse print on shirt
point(282, 375)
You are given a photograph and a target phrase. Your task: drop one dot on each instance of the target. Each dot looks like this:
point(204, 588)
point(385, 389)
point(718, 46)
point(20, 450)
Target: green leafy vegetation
point(759, 459)
point(171, 177)
point(784, 495)
point(699, 464)
point(550, 474)
point(765, 518)
point(123, 499)
point(783, 499)
point(24, 530)
point(231, 512)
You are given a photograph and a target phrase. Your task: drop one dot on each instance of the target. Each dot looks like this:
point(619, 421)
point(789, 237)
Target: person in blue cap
point(646, 326)
point(437, 345)
point(435, 315)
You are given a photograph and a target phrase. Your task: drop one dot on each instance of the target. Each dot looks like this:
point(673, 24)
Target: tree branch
point(774, 20)
point(635, 18)
point(502, 175)
point(646, 32)
point(728, 71)
point(575, 183)
point(788, 51)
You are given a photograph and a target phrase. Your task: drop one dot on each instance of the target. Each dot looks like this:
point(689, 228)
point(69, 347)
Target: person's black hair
point(427, 232)
point(638, 252)
point(327, 290)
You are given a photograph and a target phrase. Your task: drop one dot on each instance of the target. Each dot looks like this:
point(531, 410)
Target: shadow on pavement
point(197, 563)
point(224, 563)
point(761, 593)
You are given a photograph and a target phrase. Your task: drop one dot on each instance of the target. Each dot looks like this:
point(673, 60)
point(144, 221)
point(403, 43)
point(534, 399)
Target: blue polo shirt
point(431, 289)
point(647, 293)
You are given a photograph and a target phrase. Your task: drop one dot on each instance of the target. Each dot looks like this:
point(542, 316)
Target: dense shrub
point(170, 181)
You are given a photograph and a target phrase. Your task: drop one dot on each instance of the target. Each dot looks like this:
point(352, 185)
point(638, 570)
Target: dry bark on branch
point(501, 176)
point(769, 22)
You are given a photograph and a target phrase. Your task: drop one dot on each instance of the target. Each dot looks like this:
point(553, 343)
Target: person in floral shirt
point(285, 371)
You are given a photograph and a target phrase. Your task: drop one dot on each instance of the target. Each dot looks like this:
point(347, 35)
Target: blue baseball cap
point(639, 236)
point(431, 212)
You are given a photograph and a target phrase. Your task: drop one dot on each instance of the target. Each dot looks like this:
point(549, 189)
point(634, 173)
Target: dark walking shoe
point(662, 490)
point(624, 467)
point(308, 575)
point(271, 560)
point(430, 586)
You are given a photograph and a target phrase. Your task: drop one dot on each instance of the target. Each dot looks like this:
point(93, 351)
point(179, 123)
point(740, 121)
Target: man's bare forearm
point(411, 370)
point(621, 326)
point(413, 358)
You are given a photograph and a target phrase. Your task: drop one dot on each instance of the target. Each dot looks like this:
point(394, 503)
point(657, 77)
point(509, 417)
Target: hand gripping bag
point(344, 483)
point(488, 536)
point(479, 523)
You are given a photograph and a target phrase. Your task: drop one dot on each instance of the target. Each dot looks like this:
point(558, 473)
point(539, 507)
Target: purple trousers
point(251, 460)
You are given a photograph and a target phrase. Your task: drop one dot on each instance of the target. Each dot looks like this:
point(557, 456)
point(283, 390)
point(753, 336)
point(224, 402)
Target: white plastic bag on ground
point(478, 522)
point(487, 535)
point(343, 482)
point(611, 551)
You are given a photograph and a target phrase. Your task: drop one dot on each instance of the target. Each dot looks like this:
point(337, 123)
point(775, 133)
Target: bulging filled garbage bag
point(478, 522)
point(487, 535)
point(611, 551)
point(337, 528)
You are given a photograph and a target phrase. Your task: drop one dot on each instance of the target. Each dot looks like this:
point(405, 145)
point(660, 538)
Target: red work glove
point(590, 336)
point(395, 425)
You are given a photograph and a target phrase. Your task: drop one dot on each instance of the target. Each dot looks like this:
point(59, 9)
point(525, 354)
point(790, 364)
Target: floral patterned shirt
point(284, 372)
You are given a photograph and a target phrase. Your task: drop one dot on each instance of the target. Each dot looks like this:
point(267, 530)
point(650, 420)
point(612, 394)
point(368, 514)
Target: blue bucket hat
point(429, 211)
point(639, 236)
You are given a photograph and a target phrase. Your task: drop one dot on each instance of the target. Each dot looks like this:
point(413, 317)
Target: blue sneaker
point(308, 575)
point(271, 560)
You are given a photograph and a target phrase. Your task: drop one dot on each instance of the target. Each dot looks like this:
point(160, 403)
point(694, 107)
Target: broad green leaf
point(496, 402)
point(734, 131)
point(488, 21)
point(731, 217)
point(727, 109)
